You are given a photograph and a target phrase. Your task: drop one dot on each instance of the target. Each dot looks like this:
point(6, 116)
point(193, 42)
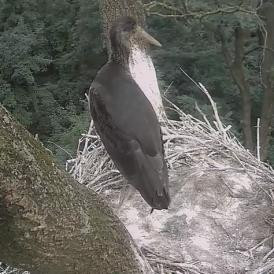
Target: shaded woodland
point(51, 50)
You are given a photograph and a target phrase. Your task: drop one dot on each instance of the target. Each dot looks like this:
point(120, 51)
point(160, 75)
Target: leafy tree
point(51, 50)
point(221, 49)
point(49, 53)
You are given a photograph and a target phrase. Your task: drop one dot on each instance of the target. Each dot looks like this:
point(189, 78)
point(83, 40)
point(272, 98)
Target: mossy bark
point(50, 223)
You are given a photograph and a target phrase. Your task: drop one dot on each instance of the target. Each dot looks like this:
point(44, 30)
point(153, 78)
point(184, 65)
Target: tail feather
point(151, 180)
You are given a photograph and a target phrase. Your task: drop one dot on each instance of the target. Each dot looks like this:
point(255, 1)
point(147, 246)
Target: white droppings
point(134, 226)
point(201, 242)
point(241, 183)
point(190, 213)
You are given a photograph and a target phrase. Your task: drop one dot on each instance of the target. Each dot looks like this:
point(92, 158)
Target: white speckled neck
point(143, 72)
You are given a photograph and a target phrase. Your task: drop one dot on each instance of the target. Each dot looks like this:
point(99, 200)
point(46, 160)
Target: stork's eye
point(128, 24)
point(129, 27)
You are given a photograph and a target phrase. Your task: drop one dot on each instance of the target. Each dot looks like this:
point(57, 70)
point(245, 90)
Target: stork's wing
point(131, 134)
point(130, 115)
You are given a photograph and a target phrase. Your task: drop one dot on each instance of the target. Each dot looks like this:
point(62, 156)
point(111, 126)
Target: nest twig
point(188, 141)
point(168, 265)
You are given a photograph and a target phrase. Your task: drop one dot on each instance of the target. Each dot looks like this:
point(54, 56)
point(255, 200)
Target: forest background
point(51, 50)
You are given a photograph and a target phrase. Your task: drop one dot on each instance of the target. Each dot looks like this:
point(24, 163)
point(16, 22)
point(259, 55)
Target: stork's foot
point(126, 193)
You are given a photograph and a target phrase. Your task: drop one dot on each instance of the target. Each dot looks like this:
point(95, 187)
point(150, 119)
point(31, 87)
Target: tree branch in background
point(163, 9)
point(236, 67)
point(234, 61)
point(266, 12)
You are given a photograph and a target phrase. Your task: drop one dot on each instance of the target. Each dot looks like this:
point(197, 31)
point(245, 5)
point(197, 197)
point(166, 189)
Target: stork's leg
point(126, 192)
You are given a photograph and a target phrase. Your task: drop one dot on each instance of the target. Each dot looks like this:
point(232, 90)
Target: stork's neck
point(120, 55)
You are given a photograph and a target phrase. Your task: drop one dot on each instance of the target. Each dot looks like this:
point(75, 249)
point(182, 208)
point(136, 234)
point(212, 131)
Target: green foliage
point(51, 50)
point(192, 48)
point(193, 44)
point(49, 53)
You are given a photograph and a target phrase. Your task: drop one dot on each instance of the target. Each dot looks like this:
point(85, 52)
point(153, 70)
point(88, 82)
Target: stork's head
point(125, 31)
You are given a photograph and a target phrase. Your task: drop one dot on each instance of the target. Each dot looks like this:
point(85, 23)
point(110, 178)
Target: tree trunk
point(141, 65)
point(236, 66)
point(238, 74)
point(267, 14)
point(50, 223)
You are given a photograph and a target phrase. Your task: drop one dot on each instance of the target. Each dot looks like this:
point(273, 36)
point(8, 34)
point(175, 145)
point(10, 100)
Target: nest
point(221, 218)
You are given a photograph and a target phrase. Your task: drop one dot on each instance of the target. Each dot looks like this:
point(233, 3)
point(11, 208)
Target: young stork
point(125, 120)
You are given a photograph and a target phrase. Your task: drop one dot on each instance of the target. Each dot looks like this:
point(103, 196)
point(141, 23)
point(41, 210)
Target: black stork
point(125, 120)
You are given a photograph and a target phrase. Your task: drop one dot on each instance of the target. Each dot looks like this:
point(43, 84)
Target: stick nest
point(193, 145)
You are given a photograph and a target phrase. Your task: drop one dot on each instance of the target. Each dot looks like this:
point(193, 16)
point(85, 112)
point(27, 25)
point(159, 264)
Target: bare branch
point(258, 140)
point(169, 11)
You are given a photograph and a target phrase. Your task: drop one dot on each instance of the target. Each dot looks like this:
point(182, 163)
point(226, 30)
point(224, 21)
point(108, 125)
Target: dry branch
point(165, 10)
point(189, 141)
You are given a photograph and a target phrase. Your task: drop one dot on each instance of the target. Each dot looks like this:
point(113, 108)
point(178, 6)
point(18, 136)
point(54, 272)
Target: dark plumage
point(125, 120)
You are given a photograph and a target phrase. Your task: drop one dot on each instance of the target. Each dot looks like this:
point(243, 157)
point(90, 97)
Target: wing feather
point(131, 134)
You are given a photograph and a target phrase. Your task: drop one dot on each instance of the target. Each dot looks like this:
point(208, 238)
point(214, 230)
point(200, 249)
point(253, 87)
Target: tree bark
point(48, 222)
point(236, 66)
point(266, 12)
point(141, 66)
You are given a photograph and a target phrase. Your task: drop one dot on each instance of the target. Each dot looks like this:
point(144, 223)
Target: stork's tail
point(152, 181)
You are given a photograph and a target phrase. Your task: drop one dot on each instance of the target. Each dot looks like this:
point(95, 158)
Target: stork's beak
point(147, 37)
